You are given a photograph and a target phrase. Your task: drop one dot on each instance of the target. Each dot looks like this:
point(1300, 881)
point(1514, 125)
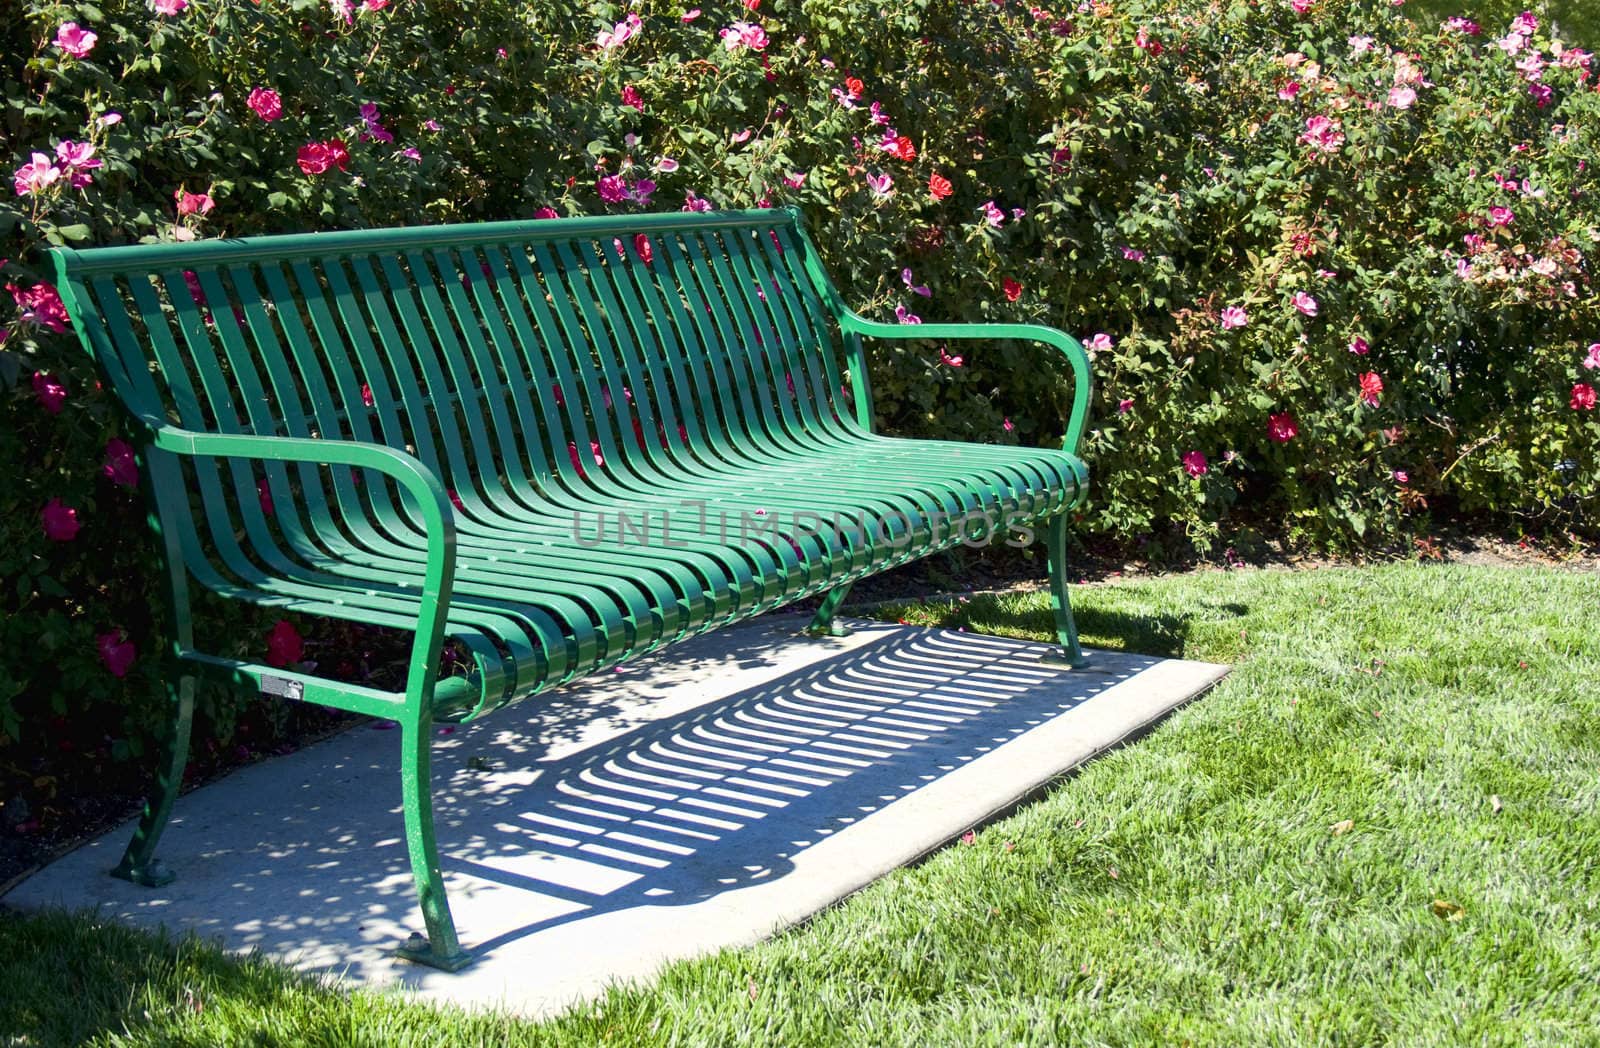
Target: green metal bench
point(560, 444)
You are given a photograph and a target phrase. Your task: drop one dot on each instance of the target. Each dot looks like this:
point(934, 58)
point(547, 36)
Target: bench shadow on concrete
point(678, 811)
point(667, 813)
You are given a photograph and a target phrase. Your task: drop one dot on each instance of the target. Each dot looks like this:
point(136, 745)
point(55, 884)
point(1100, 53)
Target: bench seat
point(590, 583)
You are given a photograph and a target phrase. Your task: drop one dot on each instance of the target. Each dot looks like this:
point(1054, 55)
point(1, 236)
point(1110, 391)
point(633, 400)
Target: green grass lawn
point(1381, 828)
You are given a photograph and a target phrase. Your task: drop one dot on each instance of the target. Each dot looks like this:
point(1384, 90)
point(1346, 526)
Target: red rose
point(315, 158)
point(284, 645)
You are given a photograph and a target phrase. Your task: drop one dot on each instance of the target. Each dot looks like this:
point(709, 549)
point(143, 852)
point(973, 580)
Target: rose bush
point(1336, 265)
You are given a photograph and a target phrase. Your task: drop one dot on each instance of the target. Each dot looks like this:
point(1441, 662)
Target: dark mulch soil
point(56, 800)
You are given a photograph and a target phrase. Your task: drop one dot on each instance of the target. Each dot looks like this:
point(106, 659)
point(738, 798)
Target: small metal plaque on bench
point(283, 687)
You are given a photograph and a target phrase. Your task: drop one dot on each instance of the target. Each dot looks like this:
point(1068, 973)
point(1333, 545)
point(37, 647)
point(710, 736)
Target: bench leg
point(441, 948)
point(138, 862)
point(1071, 656)
point(822, 624)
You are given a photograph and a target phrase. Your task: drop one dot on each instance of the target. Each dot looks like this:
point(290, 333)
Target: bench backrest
point(539, 345)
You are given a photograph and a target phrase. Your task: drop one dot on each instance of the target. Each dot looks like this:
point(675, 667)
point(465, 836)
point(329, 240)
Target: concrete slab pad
point(704, 798)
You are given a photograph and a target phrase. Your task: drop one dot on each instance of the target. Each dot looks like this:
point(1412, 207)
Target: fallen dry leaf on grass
point(1342, 827)
point(1446, 910)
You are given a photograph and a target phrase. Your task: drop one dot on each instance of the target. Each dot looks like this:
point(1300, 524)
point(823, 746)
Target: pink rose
point(1402, 97)
point(1323, 134)
point(59, 520)
point(52, 394)
point(120, 465)
point(620, 33)
point(77, 159)
point(1371, 388)
point(374, 121)
point(1305, 303)
point(193, 203)
point(1194, 463)
point(266, 103)
point(76, 156)
point(75, 41)
point(116, 651)
point(35, 176)
point(577, 460)
point(744, 34)
point(40, 304)
point(1281, 427)
point(1234, 317)
point(170, 7)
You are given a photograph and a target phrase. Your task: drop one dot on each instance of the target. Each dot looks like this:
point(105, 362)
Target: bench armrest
point(406, 470)
point(1071, 348)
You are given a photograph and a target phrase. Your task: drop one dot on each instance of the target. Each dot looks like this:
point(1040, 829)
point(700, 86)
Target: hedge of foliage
point(1333, 263)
